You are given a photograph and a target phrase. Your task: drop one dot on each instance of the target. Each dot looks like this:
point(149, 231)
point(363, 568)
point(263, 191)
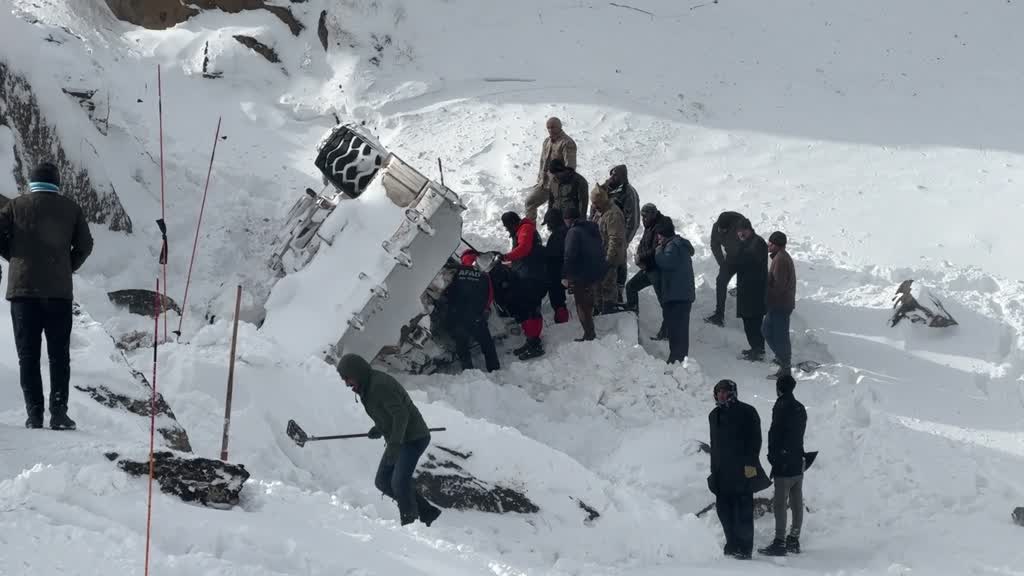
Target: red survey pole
point(152, 421)
point(231, 378)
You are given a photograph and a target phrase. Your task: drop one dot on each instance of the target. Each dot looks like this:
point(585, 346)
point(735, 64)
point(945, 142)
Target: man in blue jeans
point(781, 300)
point(398, 420)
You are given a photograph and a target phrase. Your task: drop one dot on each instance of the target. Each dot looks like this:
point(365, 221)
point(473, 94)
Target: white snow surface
point(879, 136)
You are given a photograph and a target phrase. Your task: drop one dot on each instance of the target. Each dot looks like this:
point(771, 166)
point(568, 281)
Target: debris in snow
point(210, 482)
point(907, 305)
point(174, 434)
point(163, 14)
point(449, 485)
point(142, 302)
point(1018, 516)
point(591, 513)
point(322, 29)
point(258, 47)
point(762, 506)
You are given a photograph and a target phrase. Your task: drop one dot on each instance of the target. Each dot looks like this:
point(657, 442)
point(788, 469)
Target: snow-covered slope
point(880, 137)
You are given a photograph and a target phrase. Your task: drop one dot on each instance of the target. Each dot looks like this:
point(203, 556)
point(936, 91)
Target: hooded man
point(583, 267)
point(469, 296)
point(781, 301)
point(625, 197)
point(398, 421)
point(751, 265)
point(736, 472)
point(674, 256)
point(786, 455)
point(554, 250)
point(612, 225)
point(724, 246)
point(557, 146)
point(644, 259)
point(528, 263)
point(568, 188)
point(46, 239)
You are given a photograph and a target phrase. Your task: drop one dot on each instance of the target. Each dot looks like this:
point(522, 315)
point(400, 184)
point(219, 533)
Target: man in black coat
point(724, 246)
point(751, 287)
point(583, 267)
point(786, 455)
point(554, 251)
point(468, 299)
point(736, 472)
point(648, 273)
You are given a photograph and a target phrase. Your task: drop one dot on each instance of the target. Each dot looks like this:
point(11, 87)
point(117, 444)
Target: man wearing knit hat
point(781, 300)
point(45, 238)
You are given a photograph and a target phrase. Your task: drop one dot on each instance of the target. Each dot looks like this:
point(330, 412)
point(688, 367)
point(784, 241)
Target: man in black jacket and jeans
point(46, 239)
point(648, 273)
point(736, 472)
point(786, 455)
point(554, 252)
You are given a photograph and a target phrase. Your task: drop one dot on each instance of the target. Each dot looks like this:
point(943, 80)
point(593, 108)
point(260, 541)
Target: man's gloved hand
point(374, 433)
point(749, 471)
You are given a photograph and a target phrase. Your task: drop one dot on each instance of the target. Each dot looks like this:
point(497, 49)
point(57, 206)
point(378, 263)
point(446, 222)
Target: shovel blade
point(296, 433)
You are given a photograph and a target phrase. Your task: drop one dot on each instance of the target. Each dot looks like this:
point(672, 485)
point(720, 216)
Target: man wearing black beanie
point(45, 238)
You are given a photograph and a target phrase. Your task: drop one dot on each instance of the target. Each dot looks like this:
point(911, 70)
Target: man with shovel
point(398, 420)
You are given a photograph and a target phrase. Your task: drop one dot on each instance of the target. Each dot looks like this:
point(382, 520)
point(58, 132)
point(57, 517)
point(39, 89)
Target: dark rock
point(906, 305)
point(163, 14)
point(143, 302)
point(209, 482)
point(321, 29)
point(445, 483)
point(591, 513)
point(258, 47)
point(172, 433)
point(134, 340)
point(35, 141)
point(1018, 516)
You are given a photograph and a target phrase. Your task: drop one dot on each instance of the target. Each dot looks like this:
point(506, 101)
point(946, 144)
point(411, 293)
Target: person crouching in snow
point(527, 262)
point(674, 257)
point(736, 472)
point(469, 297)
point(398, 421)
point(555, 253)
point(583, 267)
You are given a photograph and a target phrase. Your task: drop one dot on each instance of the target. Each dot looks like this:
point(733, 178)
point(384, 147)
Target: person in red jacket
point(528, 264)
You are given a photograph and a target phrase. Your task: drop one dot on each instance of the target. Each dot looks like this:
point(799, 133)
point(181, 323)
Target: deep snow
point(879, 137)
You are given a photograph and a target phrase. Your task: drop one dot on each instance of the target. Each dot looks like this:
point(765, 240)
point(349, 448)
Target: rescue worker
point(558, 145)
point(583, 267)
point(612, 225)
point(724, 246)
point(554, 250)
point(469, 297)
point(527, 262)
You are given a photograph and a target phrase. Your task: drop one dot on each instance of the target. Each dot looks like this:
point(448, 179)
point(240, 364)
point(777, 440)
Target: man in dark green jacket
point(398, 420)
point(46, 239)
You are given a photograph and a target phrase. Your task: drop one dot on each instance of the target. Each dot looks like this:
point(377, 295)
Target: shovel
point(296, 433)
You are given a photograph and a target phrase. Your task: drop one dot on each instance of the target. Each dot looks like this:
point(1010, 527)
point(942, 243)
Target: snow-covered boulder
point(908, 304)
point(445, 483)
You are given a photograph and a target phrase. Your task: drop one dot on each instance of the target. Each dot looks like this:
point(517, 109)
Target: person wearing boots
point(557, 146)
point(624, 195)
point(469, 297)
point(612, 225)
point(583, 267)
point(45, 238)
point(786, 455)
point(751, 286)
point(780, 302)
point(724, 246)
point(674, 257)
point(527, 261)
point(554, 250)
point(736, 472)
point(568, 187)
point(398, 421)
point(644, 259)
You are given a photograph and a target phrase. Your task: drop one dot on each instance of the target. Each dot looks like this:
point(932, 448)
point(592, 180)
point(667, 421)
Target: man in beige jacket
point(612, 224)
point(558, 145)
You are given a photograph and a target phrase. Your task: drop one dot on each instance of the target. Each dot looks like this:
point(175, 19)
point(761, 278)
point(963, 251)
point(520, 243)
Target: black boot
point(60, 421)
point(534, 348)
point(522, 348)
point(34, 422)
point(428, 515)
point(793, 544)
point(406, 520)
point(776, 548)
point(716, 319)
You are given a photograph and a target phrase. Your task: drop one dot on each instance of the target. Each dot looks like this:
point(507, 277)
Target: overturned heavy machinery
point(392, 307)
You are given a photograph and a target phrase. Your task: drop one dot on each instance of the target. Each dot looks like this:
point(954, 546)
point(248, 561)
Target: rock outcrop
point(162, 14)
point(142, 302)
point(208, 482)
point(36, 140)
point(445, 483)
point(258, 47)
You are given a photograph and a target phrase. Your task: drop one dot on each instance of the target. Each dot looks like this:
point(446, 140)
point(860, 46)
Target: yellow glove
point(749, 471)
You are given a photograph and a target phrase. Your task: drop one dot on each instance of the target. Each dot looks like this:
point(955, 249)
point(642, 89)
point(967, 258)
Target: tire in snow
point(347, 161)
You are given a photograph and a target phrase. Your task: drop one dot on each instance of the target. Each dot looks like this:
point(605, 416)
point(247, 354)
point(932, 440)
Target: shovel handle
point(347, 436)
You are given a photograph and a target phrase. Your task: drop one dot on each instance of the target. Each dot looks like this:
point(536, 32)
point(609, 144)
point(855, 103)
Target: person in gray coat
point(674, 257)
